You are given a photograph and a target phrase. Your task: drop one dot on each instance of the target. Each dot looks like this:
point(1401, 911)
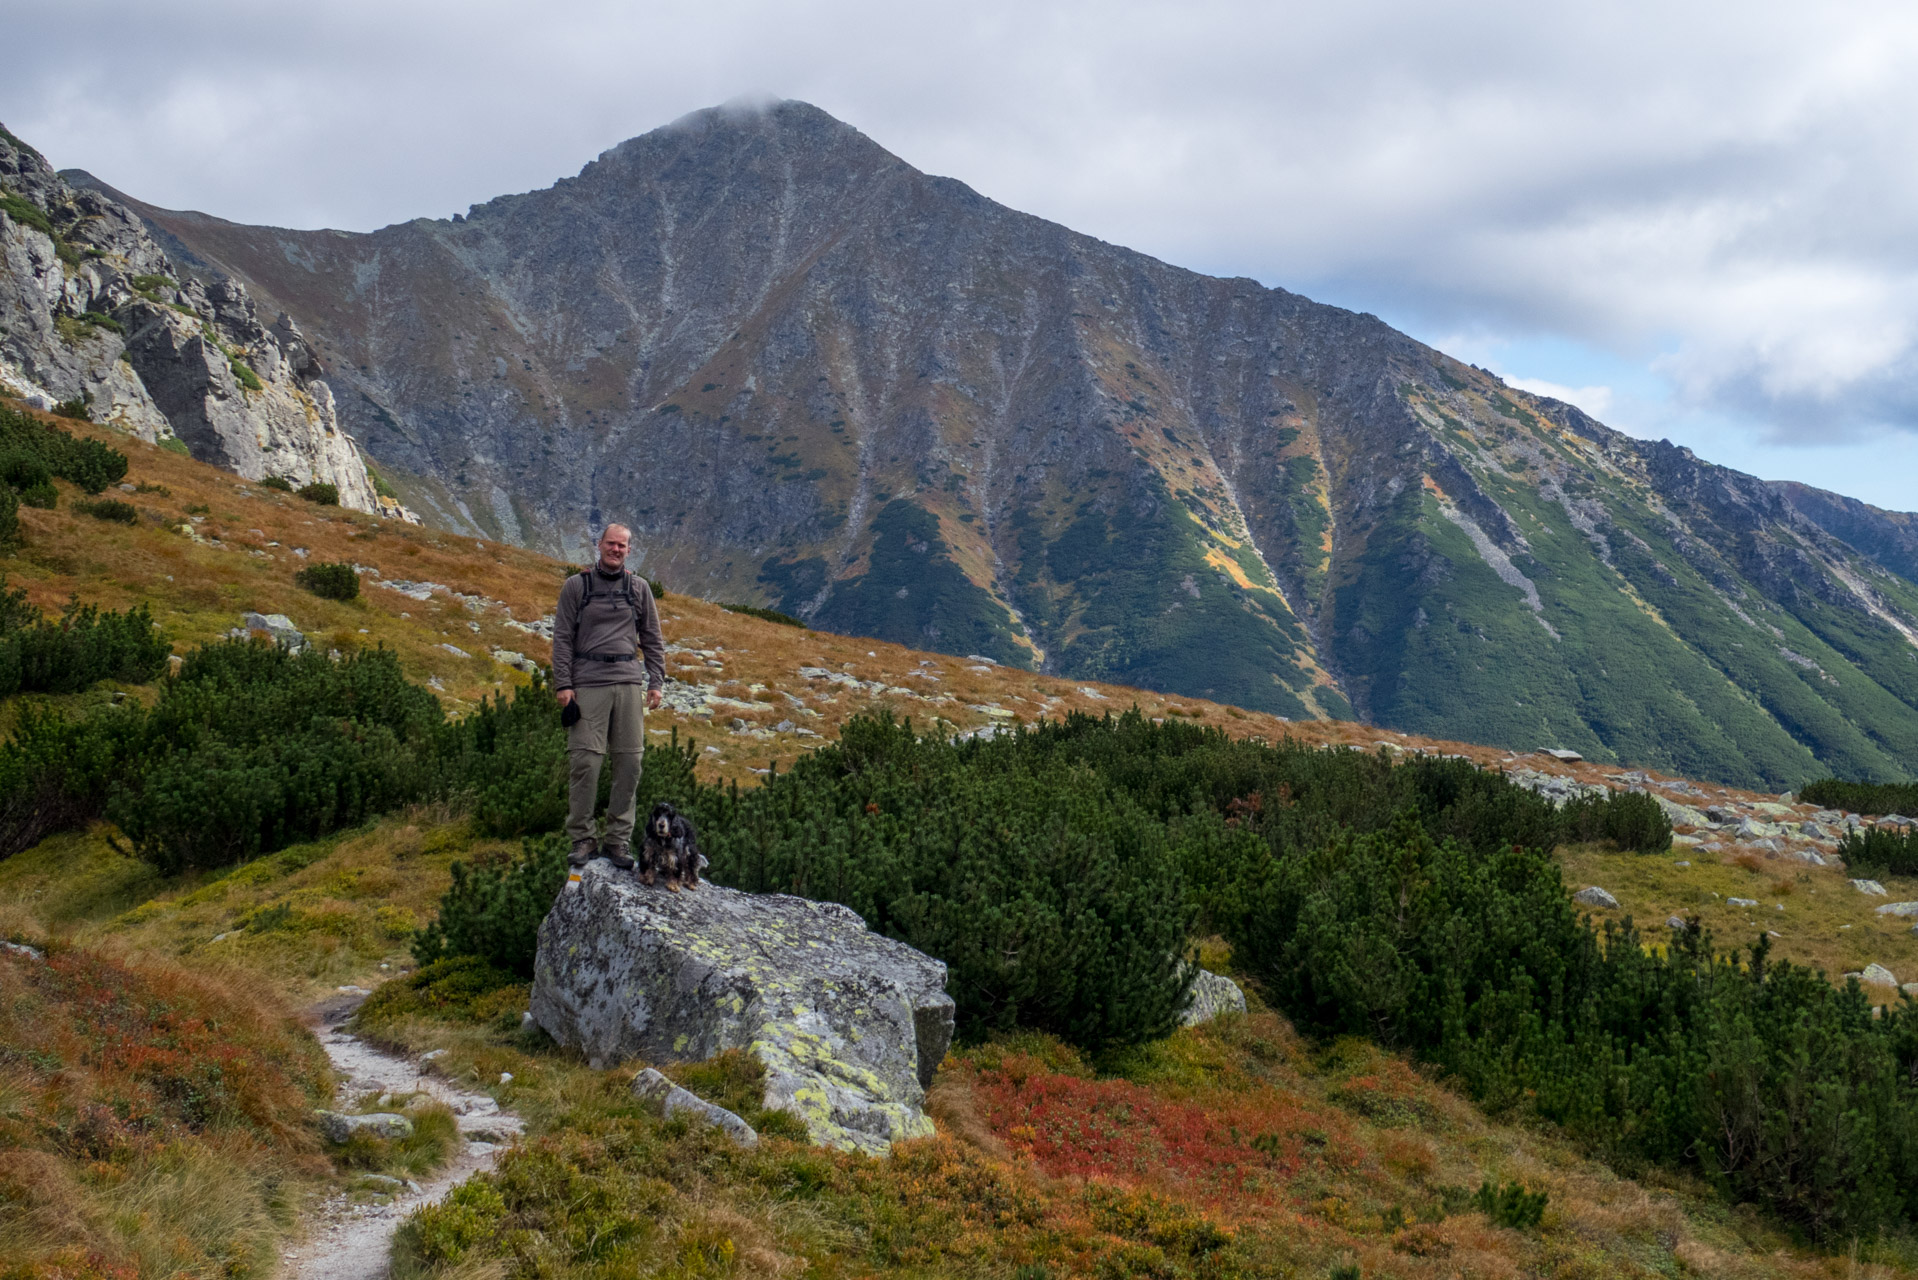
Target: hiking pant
point(612, 718)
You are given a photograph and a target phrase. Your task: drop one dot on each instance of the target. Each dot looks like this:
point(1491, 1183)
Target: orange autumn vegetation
point(147, 1117)
point(1234, 1150)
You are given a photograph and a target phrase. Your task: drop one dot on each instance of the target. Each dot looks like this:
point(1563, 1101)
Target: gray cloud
point(1722, 189)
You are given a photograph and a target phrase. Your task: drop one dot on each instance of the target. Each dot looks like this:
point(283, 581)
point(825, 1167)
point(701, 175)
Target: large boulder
point(849, 1025)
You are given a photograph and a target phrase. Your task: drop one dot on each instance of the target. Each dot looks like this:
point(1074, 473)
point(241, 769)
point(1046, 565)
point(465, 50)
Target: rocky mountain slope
point(96, 318)
point(814, 377)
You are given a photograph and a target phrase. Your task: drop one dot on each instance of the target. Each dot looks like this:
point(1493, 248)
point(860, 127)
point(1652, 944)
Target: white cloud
point(1724, 189)
point(1596, 401)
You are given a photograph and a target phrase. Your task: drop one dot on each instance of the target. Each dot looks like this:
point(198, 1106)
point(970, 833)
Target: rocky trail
point(351, 1239)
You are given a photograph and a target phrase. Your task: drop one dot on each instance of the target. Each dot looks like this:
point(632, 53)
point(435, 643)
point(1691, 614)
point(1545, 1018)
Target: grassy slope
point(1358, 1133)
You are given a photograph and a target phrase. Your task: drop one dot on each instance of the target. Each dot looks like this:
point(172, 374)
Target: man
point(606, 616)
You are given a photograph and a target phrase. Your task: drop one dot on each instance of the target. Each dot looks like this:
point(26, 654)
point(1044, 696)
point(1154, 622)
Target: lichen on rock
point(849, 1025)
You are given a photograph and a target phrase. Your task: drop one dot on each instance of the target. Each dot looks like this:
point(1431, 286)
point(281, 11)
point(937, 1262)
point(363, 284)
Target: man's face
point(612, 547)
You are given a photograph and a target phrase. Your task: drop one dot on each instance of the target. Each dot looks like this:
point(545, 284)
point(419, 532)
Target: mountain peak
point(810, 377)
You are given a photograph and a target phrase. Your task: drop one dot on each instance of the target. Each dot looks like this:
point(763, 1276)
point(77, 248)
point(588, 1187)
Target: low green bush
point(330, 579)
point(1782, 1089)
point(24, 468)
point(56, 772)
point(1510, 1205)
point(327, 495)
point(1881, 851)
point(74, 408)
point(90, 464)
point(280, 483)
point(1632, 820)
point(252, 747)
point(1052, 897)
point(495, 915)
point(84, 646)
point(1874, 798)
point(111, 509)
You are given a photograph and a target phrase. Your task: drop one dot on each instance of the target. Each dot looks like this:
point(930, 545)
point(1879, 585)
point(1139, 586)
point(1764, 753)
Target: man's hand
point(653, 699)
point(565, 697)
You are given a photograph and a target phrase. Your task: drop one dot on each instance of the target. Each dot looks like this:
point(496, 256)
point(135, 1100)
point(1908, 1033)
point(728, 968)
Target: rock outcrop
point(849, 1025)
point(94, 312)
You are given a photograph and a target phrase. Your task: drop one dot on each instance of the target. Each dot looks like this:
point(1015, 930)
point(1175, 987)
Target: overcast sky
point(1696, 220)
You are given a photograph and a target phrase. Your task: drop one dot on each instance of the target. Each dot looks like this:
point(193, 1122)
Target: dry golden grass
point(150, 1117)
point(1818, 918)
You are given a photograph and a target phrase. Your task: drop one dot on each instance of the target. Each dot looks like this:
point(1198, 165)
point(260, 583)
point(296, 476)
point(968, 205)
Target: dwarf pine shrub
point(765, 615)
point(110, 509)
point(1881, 851)
point(1782, 1089)
point(89, 464)
point(330, 579)
point(1052, 897)
point(84, 646)
point(1510, 1205)
point(327, 495)
point(495, 914)
point(1863, 797)
point(252, 747)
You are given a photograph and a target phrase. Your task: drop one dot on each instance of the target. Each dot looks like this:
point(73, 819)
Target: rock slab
point(849, 1025)
point(337, 1126)
point(675, 1101)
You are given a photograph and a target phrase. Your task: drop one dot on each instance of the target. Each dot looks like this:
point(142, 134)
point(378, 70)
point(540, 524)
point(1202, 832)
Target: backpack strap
point(625, 589)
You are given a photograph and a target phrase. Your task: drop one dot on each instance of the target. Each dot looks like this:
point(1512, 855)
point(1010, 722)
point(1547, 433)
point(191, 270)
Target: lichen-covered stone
point(1212, 995)
point(675, 1101)
point(337, 1126)
point(849, 1025)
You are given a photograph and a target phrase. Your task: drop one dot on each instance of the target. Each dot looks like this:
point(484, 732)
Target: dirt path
point(349, 1241)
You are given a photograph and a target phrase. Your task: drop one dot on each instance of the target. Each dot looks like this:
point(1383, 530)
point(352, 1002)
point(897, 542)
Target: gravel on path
point(348, 1241)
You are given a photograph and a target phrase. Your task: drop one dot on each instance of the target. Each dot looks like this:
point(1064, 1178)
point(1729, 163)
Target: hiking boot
point(617, 855)
point(582, 853)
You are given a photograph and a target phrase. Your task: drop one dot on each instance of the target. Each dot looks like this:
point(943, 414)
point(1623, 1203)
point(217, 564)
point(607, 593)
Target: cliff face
point(813, 377)
point(93, 311)
point(1889, 537)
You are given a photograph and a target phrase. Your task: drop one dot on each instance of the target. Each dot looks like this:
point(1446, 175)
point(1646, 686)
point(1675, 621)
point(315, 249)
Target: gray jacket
point(584, 638)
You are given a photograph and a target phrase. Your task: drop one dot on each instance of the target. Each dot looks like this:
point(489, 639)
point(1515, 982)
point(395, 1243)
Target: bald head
point(613, 545)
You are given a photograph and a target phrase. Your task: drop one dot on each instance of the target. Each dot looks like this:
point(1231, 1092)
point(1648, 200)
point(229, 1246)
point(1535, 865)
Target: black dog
point(669, 849)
